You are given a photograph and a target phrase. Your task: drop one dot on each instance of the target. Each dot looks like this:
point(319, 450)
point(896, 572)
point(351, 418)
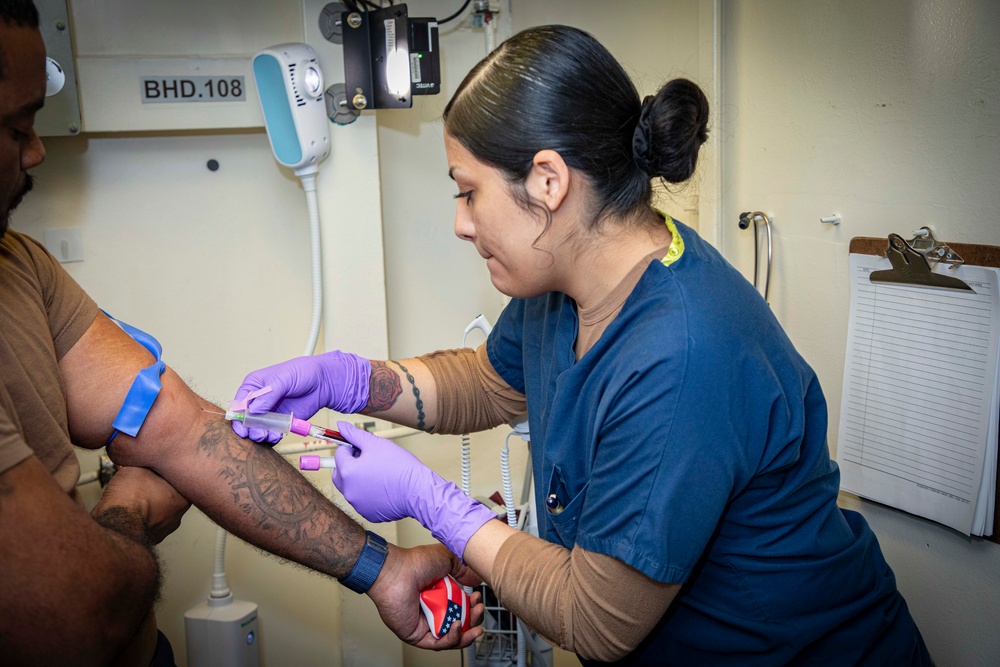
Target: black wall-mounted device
point(389, 57)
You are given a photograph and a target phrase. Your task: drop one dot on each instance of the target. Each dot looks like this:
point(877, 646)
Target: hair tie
point(642, 137)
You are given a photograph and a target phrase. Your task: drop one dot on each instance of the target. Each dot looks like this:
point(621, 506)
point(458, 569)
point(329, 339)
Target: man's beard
point(25, 189)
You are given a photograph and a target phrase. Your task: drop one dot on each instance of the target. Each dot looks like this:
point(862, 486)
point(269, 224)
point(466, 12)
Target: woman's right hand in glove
point(303, 386)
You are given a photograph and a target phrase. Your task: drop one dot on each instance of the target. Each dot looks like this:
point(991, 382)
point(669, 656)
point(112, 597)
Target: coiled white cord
point(466, 464)
point(508, 486)
point(481, 323)
point(220, 587)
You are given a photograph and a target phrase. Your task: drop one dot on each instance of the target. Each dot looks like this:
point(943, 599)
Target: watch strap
point(369, 564)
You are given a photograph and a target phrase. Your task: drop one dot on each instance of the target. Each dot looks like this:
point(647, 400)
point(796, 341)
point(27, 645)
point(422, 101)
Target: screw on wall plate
point(330, 25)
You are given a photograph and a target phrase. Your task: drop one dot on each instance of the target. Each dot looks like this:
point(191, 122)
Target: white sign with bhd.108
point(173, 89)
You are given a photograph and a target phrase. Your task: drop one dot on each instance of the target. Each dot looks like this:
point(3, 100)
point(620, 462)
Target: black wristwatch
point(369, 564)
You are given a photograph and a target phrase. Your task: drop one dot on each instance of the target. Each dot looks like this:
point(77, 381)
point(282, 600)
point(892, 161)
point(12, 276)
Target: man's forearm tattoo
point(292, 518)
point(384, 388)
point(259, 484)
point(416, 395)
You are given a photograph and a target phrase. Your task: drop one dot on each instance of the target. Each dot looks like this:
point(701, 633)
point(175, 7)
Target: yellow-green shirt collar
point(676, 242)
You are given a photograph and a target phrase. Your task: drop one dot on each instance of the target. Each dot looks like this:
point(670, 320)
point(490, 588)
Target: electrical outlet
point(65, 244)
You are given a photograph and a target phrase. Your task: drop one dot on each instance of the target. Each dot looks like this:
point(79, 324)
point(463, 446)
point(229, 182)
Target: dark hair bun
point(526, 96)
point(677, 123)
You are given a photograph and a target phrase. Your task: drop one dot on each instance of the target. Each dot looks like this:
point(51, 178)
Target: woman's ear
point(548, 180)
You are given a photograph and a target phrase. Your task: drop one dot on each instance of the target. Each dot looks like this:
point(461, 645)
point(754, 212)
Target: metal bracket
point(61, 114)
point(933, 250)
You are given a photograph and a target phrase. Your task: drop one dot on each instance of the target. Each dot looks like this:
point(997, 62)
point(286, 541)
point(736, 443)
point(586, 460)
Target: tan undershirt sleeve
point(471, 394)
point(585, 602)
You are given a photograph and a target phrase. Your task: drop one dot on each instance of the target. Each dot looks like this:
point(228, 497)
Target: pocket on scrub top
point(562, 509)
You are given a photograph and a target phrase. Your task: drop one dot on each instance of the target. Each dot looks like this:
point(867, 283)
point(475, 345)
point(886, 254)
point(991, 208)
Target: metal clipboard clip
point(910, 267)
point(923, 241)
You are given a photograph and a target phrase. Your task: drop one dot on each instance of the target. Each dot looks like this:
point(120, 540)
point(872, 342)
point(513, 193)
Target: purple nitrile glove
point(386, 482)
point(302, 386)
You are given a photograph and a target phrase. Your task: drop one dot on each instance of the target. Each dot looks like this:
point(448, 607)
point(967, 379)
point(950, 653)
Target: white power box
point(222, 633)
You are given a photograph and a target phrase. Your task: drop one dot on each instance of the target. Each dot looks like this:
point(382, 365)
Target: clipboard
point(967, 253)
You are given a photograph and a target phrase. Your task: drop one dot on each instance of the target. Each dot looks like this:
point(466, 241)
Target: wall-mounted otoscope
point(290, 86)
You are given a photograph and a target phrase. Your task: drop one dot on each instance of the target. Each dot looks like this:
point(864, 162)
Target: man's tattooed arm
point(247, 488)
point(261, 498)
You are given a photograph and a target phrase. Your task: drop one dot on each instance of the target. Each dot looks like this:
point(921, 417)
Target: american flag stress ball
point(444, 604)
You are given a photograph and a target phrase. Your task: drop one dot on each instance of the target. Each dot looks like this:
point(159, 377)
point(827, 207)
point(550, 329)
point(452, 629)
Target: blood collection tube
point(286, 423)
point(313, 462)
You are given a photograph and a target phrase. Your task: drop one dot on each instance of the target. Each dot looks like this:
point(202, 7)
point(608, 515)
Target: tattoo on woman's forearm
point(384, 388)
point(416, 395)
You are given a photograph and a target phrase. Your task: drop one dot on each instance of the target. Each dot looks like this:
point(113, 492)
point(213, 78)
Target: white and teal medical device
point(290, 85)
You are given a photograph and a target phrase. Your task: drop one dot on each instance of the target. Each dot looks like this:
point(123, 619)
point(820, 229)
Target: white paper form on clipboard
point(920, 408)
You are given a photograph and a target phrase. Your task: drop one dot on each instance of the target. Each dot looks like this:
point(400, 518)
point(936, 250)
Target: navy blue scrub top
point(690, 444)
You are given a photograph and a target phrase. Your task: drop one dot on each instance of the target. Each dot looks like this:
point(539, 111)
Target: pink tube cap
point(300, 426)
point(309, 462)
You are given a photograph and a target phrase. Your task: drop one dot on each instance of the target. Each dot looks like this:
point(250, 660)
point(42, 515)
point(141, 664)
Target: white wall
point(889, 114)
point(174, 247)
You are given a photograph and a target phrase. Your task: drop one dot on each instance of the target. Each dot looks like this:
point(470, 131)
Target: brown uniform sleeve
point(13, 448)
point(43, 313)
point(471, 394)
point(583, 601)
point(70, 309)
